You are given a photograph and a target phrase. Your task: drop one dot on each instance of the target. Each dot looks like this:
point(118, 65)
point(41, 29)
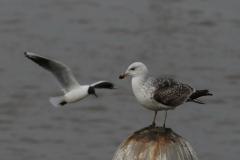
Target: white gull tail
point(57, 101)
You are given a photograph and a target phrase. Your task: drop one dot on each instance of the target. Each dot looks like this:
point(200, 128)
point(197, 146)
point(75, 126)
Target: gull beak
point(95, 94)
point(123, 75)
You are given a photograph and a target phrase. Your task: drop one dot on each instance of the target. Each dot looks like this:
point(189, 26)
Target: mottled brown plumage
point(172, 93)
point(159, 94)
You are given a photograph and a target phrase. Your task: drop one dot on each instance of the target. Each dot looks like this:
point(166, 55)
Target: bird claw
point(153, 124)
point(164, 126)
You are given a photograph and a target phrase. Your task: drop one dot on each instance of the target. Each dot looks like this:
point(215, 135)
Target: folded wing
point(172, 93)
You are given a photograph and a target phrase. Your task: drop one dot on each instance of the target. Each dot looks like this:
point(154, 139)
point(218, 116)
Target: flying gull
point(159, 94)
point(69, 85)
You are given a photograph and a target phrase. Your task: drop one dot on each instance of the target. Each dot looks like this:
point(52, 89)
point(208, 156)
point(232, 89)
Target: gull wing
point(61, 72)
point(104, 84)
point(172, 93)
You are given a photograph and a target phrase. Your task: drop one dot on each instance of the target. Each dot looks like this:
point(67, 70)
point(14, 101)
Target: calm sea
point(195, 42)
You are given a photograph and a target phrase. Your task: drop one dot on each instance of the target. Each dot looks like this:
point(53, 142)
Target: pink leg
point(155, 115)
point(165, 117)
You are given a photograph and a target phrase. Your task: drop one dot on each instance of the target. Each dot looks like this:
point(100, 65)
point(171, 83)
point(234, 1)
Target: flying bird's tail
point(197, 94)
point(57, 101)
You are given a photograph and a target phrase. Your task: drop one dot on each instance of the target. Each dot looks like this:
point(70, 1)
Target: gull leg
point(165, 117)
point(155, 115)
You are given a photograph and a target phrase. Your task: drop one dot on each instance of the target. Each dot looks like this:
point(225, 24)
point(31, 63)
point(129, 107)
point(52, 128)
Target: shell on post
point(155, 143)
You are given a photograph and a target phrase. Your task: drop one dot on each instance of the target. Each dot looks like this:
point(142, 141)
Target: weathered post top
point(155, 143)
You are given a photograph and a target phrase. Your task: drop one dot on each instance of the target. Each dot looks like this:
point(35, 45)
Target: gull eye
point(132, 69)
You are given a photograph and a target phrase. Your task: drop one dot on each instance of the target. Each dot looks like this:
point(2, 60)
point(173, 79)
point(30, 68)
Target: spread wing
point(104, 84)
point(171, 92)
point(61, 72)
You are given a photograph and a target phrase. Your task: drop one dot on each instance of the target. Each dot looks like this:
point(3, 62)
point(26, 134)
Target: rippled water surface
point(195, 42)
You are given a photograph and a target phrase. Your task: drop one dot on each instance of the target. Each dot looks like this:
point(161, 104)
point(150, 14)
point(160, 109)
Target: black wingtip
point(105, 85)
point(114, 87)
point(197, 94)
point(209, 94)
point(198, 101)
point(26, 55)
point(111, 86)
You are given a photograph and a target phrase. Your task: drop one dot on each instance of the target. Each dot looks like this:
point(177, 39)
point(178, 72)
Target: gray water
point(195, 42)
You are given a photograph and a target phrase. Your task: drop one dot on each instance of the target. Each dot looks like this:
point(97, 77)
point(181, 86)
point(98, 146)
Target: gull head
point(91, 90)
point(134, 70)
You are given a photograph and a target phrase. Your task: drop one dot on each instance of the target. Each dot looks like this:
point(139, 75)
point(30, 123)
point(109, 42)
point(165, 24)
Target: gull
point(69, 85)
point(159, 94)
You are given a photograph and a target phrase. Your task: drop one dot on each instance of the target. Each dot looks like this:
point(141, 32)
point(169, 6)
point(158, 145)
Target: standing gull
point(69, 85)
point(159, 94)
